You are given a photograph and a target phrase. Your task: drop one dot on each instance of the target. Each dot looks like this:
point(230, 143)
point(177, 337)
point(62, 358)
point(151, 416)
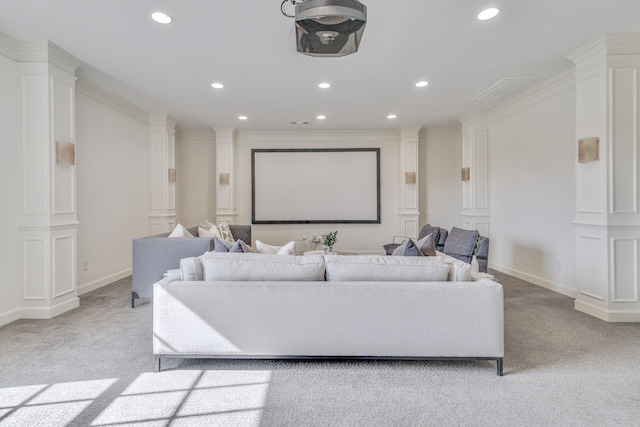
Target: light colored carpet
point(93, 366)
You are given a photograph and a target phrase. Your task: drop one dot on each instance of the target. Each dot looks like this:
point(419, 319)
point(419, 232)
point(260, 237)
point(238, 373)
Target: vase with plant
point(328, 240)
point(475, 267)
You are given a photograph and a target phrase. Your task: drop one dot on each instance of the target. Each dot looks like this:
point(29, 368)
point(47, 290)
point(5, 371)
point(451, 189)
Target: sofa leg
point(134, 295)
point(499, 365)
point(158, 367)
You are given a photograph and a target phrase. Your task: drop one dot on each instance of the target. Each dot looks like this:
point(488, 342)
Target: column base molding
point(49, 312)
point(161, 223)
point(607, 315)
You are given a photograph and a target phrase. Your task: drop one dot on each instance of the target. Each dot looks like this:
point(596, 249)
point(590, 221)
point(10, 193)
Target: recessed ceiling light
point(161, 18)
point(324, 85)
point(217, 85)
point(321, 117)
point(243, 117)
point(422, 83)
point(391, 116)
point(488, 13)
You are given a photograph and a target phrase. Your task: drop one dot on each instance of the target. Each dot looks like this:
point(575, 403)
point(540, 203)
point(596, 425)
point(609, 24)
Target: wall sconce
point(224, 179)
point(65, 153)
point(172, 175)
point(409, 177)
point(466, 174)
point(588, 150)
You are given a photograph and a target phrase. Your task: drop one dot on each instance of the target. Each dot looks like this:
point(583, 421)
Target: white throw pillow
point(225, 232)
point(287, 249)
point(209, 232)
point(180, 231)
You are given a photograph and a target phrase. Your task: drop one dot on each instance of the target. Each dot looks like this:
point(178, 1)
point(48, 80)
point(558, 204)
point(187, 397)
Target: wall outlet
point(85, 265)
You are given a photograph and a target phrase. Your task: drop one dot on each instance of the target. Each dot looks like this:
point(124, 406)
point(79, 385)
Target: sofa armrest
point(153, 256)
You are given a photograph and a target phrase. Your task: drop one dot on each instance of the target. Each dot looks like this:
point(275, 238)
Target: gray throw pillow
point(407, 248)
point(429, 229)
point(220, 246)
point(460, 243)
point(427, 245)
point(390, 247)
point(237, 247)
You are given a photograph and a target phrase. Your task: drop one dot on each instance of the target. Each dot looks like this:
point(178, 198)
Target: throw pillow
point(180, 231)
point(287, 249)
point(225, 232)
point(390, 247)
point(427, 245)
point(460, 243)
point(263, 248)
point(429, 229)
point(247, 249)
point(237, 247)
point(407, 248)
point(209, 232)
point(221, 246)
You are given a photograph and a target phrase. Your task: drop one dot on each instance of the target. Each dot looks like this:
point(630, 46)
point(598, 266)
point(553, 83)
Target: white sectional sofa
point(276, 306)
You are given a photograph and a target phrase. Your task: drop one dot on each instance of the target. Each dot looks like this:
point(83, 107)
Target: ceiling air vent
point(504, 89)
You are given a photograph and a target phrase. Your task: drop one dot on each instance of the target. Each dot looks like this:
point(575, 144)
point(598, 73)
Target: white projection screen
point(315, 186)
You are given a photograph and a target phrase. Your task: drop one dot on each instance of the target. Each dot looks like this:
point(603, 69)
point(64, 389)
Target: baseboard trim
point(96, 284)
point(9, 316)
point(607, 315)
point(49, 312)
point(561, 289)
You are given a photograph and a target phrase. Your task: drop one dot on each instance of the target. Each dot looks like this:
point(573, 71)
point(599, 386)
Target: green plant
point(330, 238)
point(477, 246)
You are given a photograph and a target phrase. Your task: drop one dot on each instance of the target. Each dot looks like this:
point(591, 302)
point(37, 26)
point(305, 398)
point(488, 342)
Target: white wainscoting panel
point(623, 157)
point(592, 278)
point(34, 272)
point(626, 269)
point(64, 259)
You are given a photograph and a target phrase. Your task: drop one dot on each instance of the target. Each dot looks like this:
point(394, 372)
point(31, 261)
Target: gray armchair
point(154, 255)
point(440, 238)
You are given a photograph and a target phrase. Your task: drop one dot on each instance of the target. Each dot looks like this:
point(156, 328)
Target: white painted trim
point(556, 287)
point(450, 132)
point(9, 316)
point(8, 47)
point(49, 312)
point(97, 284)
point(553, 86)
point(195, 135)
point(607, 315)
point(95, 92)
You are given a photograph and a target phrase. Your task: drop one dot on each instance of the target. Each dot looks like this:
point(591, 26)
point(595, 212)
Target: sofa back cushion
point(259, 267)
point(380, 268)
point(459, 271)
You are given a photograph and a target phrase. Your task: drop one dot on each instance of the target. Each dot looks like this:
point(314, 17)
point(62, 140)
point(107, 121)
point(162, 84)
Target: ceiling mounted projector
point(328, 27)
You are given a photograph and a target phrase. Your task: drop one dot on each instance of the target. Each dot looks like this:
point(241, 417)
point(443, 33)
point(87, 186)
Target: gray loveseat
point(155, 255)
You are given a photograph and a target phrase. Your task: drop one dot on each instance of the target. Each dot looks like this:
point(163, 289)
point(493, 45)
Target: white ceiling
point(249, 46)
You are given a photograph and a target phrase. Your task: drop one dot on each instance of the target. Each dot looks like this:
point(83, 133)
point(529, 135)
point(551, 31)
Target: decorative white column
point(226, 209)
point(409, 214)
point(48, 223)
point(475, 157)
point(162, 173)
point(607, 215)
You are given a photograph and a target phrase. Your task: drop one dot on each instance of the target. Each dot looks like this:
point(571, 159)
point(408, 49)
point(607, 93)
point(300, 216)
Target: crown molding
point(321, 136)
point(95, 92)
point(196, 134)
point(449, 132)
point(476, 119)
point(162, 120)
point(555, 85)
point(45, 51)
point(8, 47)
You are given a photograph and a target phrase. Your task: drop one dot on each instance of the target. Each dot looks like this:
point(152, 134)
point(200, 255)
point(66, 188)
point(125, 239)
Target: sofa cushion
point(459, 271)
point(380, 268)
point(191, 269)
point(260, 267)
point(429, 229)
